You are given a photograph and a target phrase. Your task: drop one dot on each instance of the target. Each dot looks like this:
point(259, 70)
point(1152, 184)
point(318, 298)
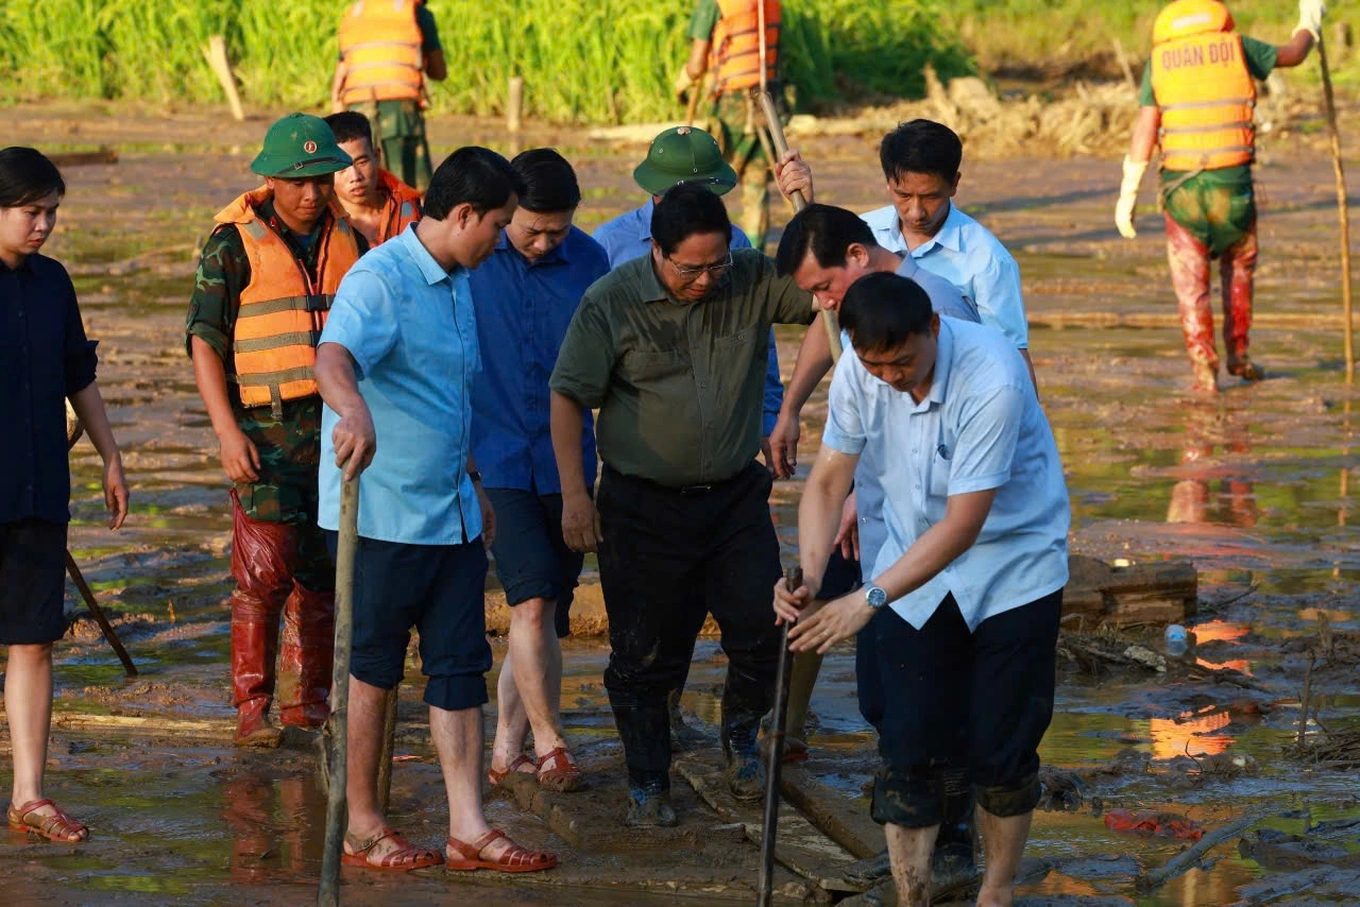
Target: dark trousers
point(941, 697)
point(670, 557)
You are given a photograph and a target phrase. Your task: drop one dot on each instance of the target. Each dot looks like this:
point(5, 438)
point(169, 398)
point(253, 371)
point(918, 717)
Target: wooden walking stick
point(792, 580)
point(107, 628)
point(781, 145)
point(337, 725)
point(1342, 210)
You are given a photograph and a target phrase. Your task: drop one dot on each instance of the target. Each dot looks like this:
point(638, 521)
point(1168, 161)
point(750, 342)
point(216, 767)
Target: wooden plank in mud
point(831, 812)
point(1163, 592)
point(549, 806)
point(105, 155)
point(799, 845)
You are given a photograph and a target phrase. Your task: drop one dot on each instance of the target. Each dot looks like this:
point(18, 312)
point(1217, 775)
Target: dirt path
point(1254, 485)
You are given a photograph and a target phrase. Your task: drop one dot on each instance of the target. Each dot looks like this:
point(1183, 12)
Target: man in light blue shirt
point(959, 668)
point(394, 365)
point(683, 154)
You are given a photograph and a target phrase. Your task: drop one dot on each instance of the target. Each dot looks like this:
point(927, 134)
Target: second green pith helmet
point(683, 154)
point(300, 145)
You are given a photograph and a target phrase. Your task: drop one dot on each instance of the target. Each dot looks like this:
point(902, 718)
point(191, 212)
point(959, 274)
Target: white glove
point(1310, 17)
point(1128, 196)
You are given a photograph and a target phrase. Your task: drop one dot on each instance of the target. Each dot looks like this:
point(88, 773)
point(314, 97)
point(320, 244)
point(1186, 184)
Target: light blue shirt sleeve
point(985, 443)
point(844, 429)
point(362, 319)
point(999, 301)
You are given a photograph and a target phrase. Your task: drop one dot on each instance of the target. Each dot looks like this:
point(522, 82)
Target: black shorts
point(841, 577)
point(439, 590)
point(532, 559)
point(942, 697)
point(32, 582)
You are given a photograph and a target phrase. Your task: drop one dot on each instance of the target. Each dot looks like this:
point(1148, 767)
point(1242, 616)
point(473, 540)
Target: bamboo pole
point(781, 145)
point(514, 107)
point(1342, 211)
point(328, 895)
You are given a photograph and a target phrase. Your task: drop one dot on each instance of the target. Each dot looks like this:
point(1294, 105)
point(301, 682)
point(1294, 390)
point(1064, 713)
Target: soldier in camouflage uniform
point(724, 37)
point(271, 451)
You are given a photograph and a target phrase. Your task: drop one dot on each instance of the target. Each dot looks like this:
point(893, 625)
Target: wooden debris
point(1190, 857)
point(829, 810)
point(105, 155)
point(1164, 592)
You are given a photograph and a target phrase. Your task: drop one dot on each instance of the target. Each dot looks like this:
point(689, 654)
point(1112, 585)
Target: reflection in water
point(1222, 631)
point(1205, 429)
point(1191, 733)
point(266, 821)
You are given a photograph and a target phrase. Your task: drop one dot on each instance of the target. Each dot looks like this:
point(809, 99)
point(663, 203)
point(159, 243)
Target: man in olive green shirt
point(671, 349)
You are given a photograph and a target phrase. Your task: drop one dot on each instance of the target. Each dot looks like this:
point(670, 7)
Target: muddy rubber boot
point(252, 679)
point(1206, 377)
point(745, 772)
point(1245, 369)
point(306, 656)
point(683, 737)
point(649, 806)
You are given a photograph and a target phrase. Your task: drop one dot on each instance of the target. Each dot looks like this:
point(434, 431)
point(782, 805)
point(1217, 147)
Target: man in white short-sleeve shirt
point(958, 625)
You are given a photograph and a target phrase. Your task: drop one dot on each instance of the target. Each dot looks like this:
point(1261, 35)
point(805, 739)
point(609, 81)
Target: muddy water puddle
point(1255, 485)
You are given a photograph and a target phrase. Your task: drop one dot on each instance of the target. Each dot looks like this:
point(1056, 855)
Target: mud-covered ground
point(1253, 485)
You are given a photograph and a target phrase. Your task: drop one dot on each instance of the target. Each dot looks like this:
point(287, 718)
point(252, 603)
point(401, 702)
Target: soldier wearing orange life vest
point(264, 284)
point(1196, 103)
point(725, 38)
point(378, 204)
point(388, 48)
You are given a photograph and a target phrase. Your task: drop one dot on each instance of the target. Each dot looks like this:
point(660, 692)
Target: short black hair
point(550, 184)
point(686, 210)
point(921, 146)
point(474, 176)
point(26, 175)
point(350, 126)
point(881, 310)
point(825, 230)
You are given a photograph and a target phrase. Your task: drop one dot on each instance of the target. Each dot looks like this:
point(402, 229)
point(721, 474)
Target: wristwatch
point(875, 597)
point(475, 475)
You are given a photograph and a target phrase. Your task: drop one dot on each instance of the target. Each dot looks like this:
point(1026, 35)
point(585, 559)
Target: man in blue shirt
point(395, 367)
point(960, 667)
point(46, 362)
point(525, 295)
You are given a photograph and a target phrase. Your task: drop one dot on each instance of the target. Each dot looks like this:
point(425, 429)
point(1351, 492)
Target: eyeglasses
point(689, 275)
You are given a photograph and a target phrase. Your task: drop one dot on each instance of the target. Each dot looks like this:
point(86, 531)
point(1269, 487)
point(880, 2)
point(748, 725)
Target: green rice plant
point(583, 60)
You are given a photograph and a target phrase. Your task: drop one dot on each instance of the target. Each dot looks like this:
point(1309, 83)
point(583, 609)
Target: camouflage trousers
point(737, 123)
point(399, 126)
point(1189, 259)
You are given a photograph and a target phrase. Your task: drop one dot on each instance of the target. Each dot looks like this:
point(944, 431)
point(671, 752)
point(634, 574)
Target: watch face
point(876, 597)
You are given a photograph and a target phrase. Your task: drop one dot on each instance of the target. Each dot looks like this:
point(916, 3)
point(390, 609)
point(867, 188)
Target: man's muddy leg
point(910, 851)
point(1003, 843)
point(364, 727)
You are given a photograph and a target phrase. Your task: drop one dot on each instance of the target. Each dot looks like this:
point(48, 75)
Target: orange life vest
point(1201, 83)
point(403, 206)
point(282, 309)
point(380, 48)
point(736, 45)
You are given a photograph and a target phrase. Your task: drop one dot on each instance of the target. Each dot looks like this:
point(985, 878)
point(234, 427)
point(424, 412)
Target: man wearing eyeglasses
point(671, 349)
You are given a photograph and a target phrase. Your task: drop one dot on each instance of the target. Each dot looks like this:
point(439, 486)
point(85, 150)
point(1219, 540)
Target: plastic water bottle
point(1177, 640)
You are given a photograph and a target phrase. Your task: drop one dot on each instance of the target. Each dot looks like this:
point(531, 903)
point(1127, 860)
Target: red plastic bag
point(1147, 822)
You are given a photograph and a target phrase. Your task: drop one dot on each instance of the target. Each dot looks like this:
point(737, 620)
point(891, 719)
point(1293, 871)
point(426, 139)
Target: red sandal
point(514, 859)
point(57, 827)
point(558, 771)
point(522, 765)
point(405, 858)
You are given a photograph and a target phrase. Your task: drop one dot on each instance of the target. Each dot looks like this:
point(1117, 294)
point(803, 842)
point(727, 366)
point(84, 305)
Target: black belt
point(682, 490)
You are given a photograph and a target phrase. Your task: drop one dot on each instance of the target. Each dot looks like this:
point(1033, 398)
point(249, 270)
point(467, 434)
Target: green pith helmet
point(683, 154)
point(300, 145)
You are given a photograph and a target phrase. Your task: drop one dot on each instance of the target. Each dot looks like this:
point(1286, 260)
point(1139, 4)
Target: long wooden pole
point(337, 726)
point(781, 145)
point(1342, 211)
point(98, 613)
point(770, 824)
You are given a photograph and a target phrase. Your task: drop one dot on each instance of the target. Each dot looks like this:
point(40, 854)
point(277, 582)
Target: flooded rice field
point(1254, 486)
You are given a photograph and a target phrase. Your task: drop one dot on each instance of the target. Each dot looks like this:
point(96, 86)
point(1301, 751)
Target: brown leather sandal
point(57, 827)
point(405, 858)
point(521, 764)
point(558, 771)
point(514, 859)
